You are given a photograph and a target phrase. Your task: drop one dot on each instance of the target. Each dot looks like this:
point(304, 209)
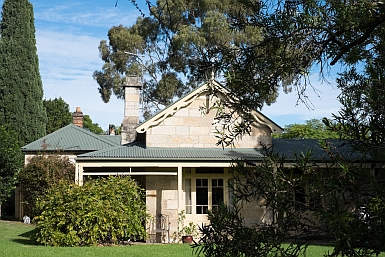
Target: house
point(174, 155)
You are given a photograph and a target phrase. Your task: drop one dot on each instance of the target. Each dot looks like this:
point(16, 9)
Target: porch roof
point(288, 148)
point(138, 152)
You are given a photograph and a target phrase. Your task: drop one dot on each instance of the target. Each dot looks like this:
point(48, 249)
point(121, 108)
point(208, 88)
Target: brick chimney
point(132, 88)
point(77, 117)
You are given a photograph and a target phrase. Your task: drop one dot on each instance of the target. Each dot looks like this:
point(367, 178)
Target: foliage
point(258, 47)
point(21, 90)
point(300, 204)
point(161, 84)
point(103, 211)
point(93, 127)
point(362, 115)
point(41, 173)
point(11, 161)
point(58, 114)
point(312, 129)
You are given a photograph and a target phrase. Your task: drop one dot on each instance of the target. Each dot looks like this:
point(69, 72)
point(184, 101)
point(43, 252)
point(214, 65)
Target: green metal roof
point(116, 139)
point(290, 147)
point(71, 138)
point(284, 147)
point(137, 152)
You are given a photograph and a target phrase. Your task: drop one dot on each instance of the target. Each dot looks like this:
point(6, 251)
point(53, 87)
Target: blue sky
point(68, 34)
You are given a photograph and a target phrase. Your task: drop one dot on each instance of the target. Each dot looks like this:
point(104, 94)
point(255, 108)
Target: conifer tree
point(21, 90)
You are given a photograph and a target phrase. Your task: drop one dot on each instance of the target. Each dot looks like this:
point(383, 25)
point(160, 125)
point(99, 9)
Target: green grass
point(15, 242)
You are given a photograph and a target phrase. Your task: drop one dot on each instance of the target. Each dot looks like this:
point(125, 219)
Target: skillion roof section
point(290, 149)
point(70, 138)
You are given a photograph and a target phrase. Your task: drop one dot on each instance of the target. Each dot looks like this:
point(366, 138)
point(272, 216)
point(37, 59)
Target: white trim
point(130, 173)
point(180, 189)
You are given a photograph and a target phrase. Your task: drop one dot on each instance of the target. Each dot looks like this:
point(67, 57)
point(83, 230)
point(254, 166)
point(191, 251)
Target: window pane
point(202, 196)
point(217, 195)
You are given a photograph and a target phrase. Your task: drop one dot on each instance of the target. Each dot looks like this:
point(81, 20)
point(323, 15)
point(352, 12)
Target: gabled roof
point(71, 138)
point(188, 99)
point(136, 152)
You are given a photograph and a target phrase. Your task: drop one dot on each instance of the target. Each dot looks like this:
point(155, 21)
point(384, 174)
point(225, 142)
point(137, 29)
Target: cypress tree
point(21, 89)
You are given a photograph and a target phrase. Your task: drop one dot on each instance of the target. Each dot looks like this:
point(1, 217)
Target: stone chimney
point(78, 117)
point(132, 88)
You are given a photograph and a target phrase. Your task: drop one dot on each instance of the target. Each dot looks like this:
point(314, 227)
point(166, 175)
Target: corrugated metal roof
point(284, 147)
point(113, 138)
point(289, 147)
point(71, 138)
point(136, 152)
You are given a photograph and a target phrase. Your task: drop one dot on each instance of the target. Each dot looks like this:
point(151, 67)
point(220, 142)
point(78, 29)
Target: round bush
point(103, 211)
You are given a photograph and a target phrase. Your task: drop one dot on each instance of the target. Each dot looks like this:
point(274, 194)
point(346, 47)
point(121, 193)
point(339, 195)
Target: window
point(205, 188)
point(202, 196)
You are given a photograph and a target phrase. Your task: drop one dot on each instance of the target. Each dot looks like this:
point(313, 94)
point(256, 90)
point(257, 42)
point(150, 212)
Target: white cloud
point(85, 13)
point(67, 62)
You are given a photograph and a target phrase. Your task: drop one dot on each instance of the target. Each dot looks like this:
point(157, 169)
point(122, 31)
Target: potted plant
point(186, 233)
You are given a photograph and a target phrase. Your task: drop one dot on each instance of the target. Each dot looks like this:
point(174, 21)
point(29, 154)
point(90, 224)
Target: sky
point(68, 34)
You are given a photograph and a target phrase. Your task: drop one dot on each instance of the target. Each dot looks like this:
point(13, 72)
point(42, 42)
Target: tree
point(58, 114)
point(362, 115)
point(280, 42)
point(179, 42)
point(40, 174)
point(21, 91)
point(10, 163)
point(93, 127)
point(296, 36)
point(312, 129)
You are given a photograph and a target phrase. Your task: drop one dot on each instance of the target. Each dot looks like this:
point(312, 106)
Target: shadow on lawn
point(25, 238)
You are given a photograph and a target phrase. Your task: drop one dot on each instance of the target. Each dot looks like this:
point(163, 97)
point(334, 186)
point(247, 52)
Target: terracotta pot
point(187, 239)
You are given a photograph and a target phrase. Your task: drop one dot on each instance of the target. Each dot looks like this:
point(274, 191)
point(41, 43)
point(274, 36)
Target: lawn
point(14, 241)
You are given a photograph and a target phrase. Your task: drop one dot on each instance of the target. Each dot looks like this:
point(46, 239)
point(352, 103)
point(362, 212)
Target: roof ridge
point(91, 134)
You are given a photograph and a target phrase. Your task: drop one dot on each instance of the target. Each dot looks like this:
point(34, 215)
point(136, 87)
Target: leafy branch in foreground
point(298, 205)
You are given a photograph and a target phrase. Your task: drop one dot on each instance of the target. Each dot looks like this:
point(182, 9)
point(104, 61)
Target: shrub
point(40, 174)
point(103, 211)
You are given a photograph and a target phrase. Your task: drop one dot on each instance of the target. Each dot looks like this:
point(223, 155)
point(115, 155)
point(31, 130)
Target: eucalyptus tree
point(178, 46)
point(292, 38)
point(257, 47)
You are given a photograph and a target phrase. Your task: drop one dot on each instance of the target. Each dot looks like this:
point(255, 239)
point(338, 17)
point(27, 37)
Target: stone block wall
point(192, 127)
point(162, 198)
